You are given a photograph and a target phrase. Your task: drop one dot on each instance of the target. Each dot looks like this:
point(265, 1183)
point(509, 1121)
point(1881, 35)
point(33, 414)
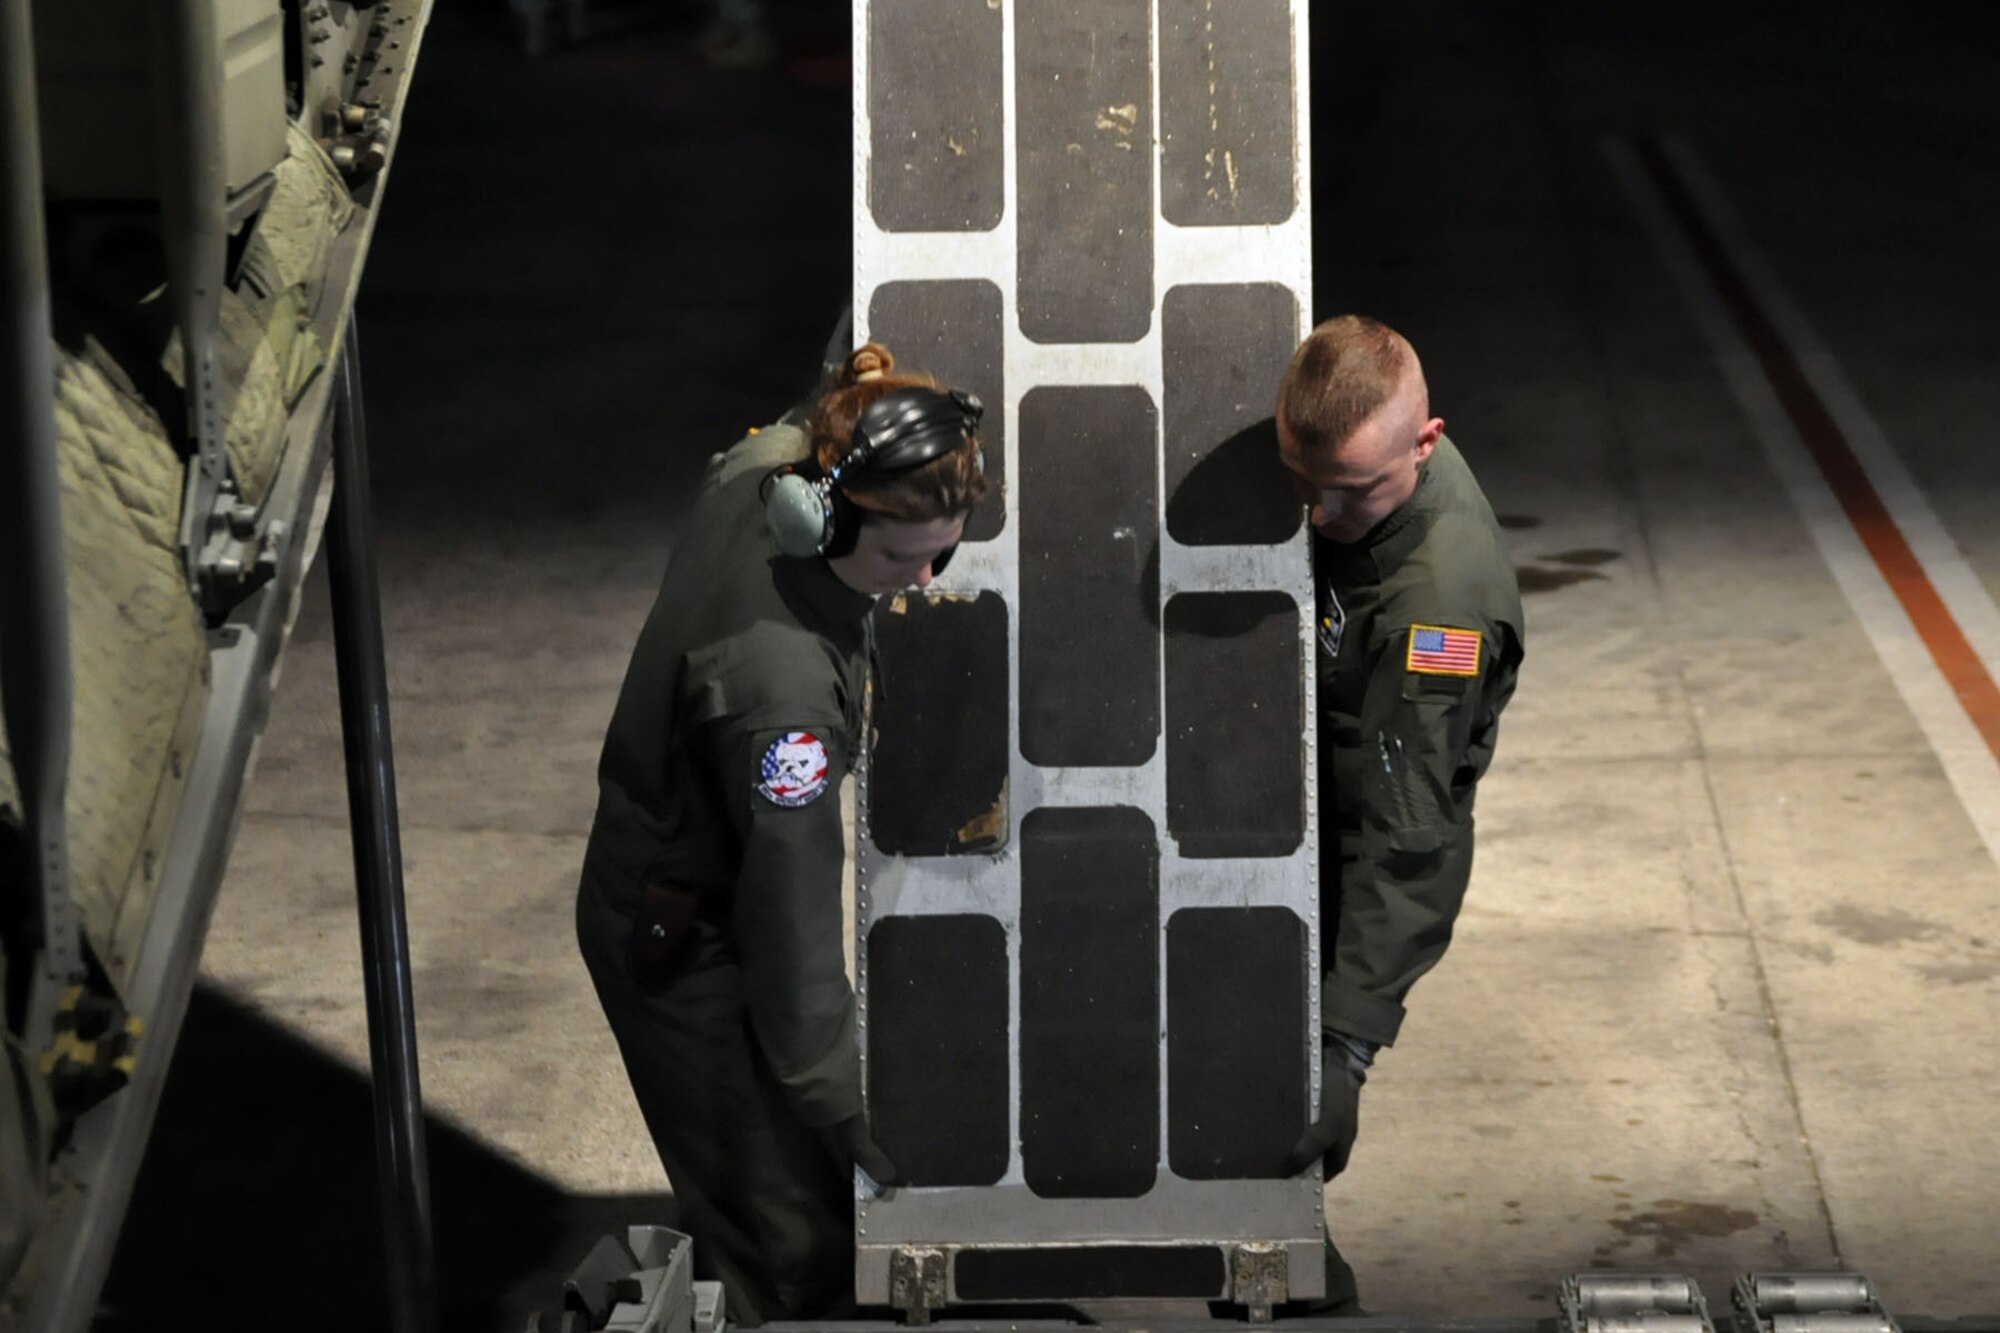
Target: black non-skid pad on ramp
point(1090, 639)
point(937, 1051)
point(1236, 1041)
point(934, 107)
point(1083, 93)
point(937, 773)
point(1090, 1005)
point(1233, 689)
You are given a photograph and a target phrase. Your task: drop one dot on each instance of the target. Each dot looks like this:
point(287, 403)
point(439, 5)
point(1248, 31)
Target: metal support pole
point(34, 608)
point(189, 68)
point(402, 1175)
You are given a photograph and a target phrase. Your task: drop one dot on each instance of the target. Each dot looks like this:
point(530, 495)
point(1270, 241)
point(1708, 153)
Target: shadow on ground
point(257, 1203)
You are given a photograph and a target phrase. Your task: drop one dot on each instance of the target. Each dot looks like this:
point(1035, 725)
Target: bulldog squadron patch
point(794, 770)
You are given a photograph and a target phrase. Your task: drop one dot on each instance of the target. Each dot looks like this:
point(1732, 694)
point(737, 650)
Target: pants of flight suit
point(770, 1210)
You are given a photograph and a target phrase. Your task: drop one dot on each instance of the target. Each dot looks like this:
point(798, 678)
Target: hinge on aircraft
point(228, 556)
point(93, 1052)
point(356, 138)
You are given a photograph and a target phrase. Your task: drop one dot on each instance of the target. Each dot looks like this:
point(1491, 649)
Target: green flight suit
point(1420, 639)
point(740, 713)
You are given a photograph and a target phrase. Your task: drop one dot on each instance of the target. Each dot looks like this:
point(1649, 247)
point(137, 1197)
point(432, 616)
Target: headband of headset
point(906, 429)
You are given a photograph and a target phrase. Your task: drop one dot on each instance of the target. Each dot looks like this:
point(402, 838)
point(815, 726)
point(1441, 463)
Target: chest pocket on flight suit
point(1416, 771)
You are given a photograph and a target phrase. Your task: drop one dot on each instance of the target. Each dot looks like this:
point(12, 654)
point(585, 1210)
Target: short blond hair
point(1339, 377)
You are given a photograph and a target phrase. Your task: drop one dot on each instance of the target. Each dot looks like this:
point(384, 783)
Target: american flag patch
point(1437, 651)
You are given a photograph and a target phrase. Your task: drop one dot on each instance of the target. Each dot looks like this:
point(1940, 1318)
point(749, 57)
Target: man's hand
point(850, 1142)
point(1343, 1062)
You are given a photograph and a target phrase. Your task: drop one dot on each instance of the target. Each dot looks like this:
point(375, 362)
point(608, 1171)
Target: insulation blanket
point(137, 658)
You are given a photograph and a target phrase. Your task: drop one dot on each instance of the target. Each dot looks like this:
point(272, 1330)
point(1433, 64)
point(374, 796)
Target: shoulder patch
point(793, 772)
point(1439, 650)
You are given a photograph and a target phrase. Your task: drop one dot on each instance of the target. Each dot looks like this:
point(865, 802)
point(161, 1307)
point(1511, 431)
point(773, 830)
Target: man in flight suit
point(1420, 639)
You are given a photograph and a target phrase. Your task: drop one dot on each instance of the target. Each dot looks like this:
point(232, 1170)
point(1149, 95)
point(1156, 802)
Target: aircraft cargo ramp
point(187, 235)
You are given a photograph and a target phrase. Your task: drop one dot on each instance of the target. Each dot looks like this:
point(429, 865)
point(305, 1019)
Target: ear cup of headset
point(808, 511)
point(798, 511)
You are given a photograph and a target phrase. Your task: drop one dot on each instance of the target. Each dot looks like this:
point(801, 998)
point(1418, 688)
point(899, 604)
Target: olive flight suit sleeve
point(784, 803)
point(1425, 736)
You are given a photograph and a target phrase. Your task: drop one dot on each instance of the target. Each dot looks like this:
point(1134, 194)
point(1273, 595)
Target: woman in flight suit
point(710, 907)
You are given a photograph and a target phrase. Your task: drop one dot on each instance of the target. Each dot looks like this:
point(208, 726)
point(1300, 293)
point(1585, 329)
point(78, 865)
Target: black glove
point(849, 1141)
point(1343, 1063)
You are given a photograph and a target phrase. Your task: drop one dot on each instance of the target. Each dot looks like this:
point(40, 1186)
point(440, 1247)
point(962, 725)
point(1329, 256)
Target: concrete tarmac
point(1725, 992)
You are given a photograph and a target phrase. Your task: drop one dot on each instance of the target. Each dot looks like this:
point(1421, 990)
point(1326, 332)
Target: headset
point(808, 511)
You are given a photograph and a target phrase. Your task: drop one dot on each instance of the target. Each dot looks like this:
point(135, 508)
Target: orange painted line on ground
point(1900, 567)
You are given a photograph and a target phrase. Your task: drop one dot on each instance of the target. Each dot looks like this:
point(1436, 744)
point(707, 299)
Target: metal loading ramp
point(1087, 905)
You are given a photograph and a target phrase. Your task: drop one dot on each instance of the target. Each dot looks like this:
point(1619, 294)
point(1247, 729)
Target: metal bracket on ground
point(1809, 1303)
point(709, 1311)
point(642, 1284)
point(1633, 1303)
